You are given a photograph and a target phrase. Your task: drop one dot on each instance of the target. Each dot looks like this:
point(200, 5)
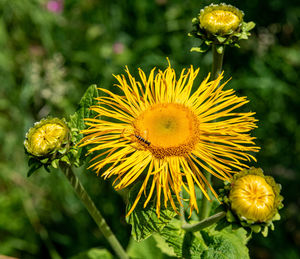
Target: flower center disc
point(221, 21)
point(171, 129)
point(252, 197)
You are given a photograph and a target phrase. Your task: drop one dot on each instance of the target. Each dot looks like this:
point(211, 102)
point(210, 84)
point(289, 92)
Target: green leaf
point(145, 249)
point(77, 121)
point(144, 221)
point(184, 244)
point(94, 253)
point(83, 111)
point(220, 241)
point(227, 243)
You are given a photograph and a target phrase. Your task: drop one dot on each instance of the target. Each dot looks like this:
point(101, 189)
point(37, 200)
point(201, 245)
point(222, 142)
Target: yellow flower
point(163, 133)
point(220, 19)
point(253, 198)
point(46, 137)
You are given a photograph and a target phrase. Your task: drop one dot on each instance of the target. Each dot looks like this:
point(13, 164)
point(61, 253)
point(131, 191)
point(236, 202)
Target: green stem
point(94, 212)
point(204, 223)
point(205, 203)
point(182, 216)
point(217, 62)
point(216, 71)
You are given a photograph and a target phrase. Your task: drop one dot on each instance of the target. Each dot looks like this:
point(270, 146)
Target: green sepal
point(45, 160)
point(195, 21)
point(256, 228)
point(265, 232)
point(55, 163)
point(230, 217)
point(221, 39)
point(33, 168)
point(248, 26)
point(220, 49)
point(145, 221)
point(201, 49)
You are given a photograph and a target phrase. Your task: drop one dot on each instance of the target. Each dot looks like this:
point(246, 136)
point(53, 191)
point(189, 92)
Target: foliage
point(144, 221)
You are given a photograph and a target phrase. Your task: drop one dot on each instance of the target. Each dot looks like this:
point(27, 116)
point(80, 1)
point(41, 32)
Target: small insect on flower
point(142, 139)
point(163, 133)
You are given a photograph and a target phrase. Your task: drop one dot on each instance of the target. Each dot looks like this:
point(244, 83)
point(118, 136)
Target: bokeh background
point(51, 51)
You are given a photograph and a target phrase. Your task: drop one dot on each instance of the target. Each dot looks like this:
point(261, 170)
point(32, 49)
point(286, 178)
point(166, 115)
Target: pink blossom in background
point(55, 6)
point(118, 48)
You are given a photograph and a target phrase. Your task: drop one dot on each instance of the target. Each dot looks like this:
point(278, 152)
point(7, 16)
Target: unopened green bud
point(221, 25)
point(47, 137)
point(253, 200)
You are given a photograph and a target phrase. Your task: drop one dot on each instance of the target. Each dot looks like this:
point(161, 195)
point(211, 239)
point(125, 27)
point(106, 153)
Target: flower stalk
point(93, 211)
point(204, 223)
point(216, 71)
point(217, 61)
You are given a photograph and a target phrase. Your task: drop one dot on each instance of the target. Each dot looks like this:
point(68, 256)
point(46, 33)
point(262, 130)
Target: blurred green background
point(51, 51)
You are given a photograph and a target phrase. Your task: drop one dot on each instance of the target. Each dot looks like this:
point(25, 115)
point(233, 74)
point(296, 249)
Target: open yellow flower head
point(254, 198)
point(221, 25)
point(164, 133)
point(220, 19)
point(47, 137)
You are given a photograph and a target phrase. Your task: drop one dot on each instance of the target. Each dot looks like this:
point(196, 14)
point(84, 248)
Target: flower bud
point(47, 137)
point(220, 19)
point(252, 199)
point(220, 25)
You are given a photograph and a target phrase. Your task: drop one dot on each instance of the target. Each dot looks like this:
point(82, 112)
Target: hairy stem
point(216, 71)
point(94, 212)
point(204, 223)
point(217, 62)
point(205, 203)
point(182, 216)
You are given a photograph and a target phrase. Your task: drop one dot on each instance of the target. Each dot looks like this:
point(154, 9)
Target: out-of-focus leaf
point(94, 253)
point(163, 245)
point(144, 221)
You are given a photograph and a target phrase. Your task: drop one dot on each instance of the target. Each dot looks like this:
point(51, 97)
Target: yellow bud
point(252, 198)
point(220, 19)
point(47, 136)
